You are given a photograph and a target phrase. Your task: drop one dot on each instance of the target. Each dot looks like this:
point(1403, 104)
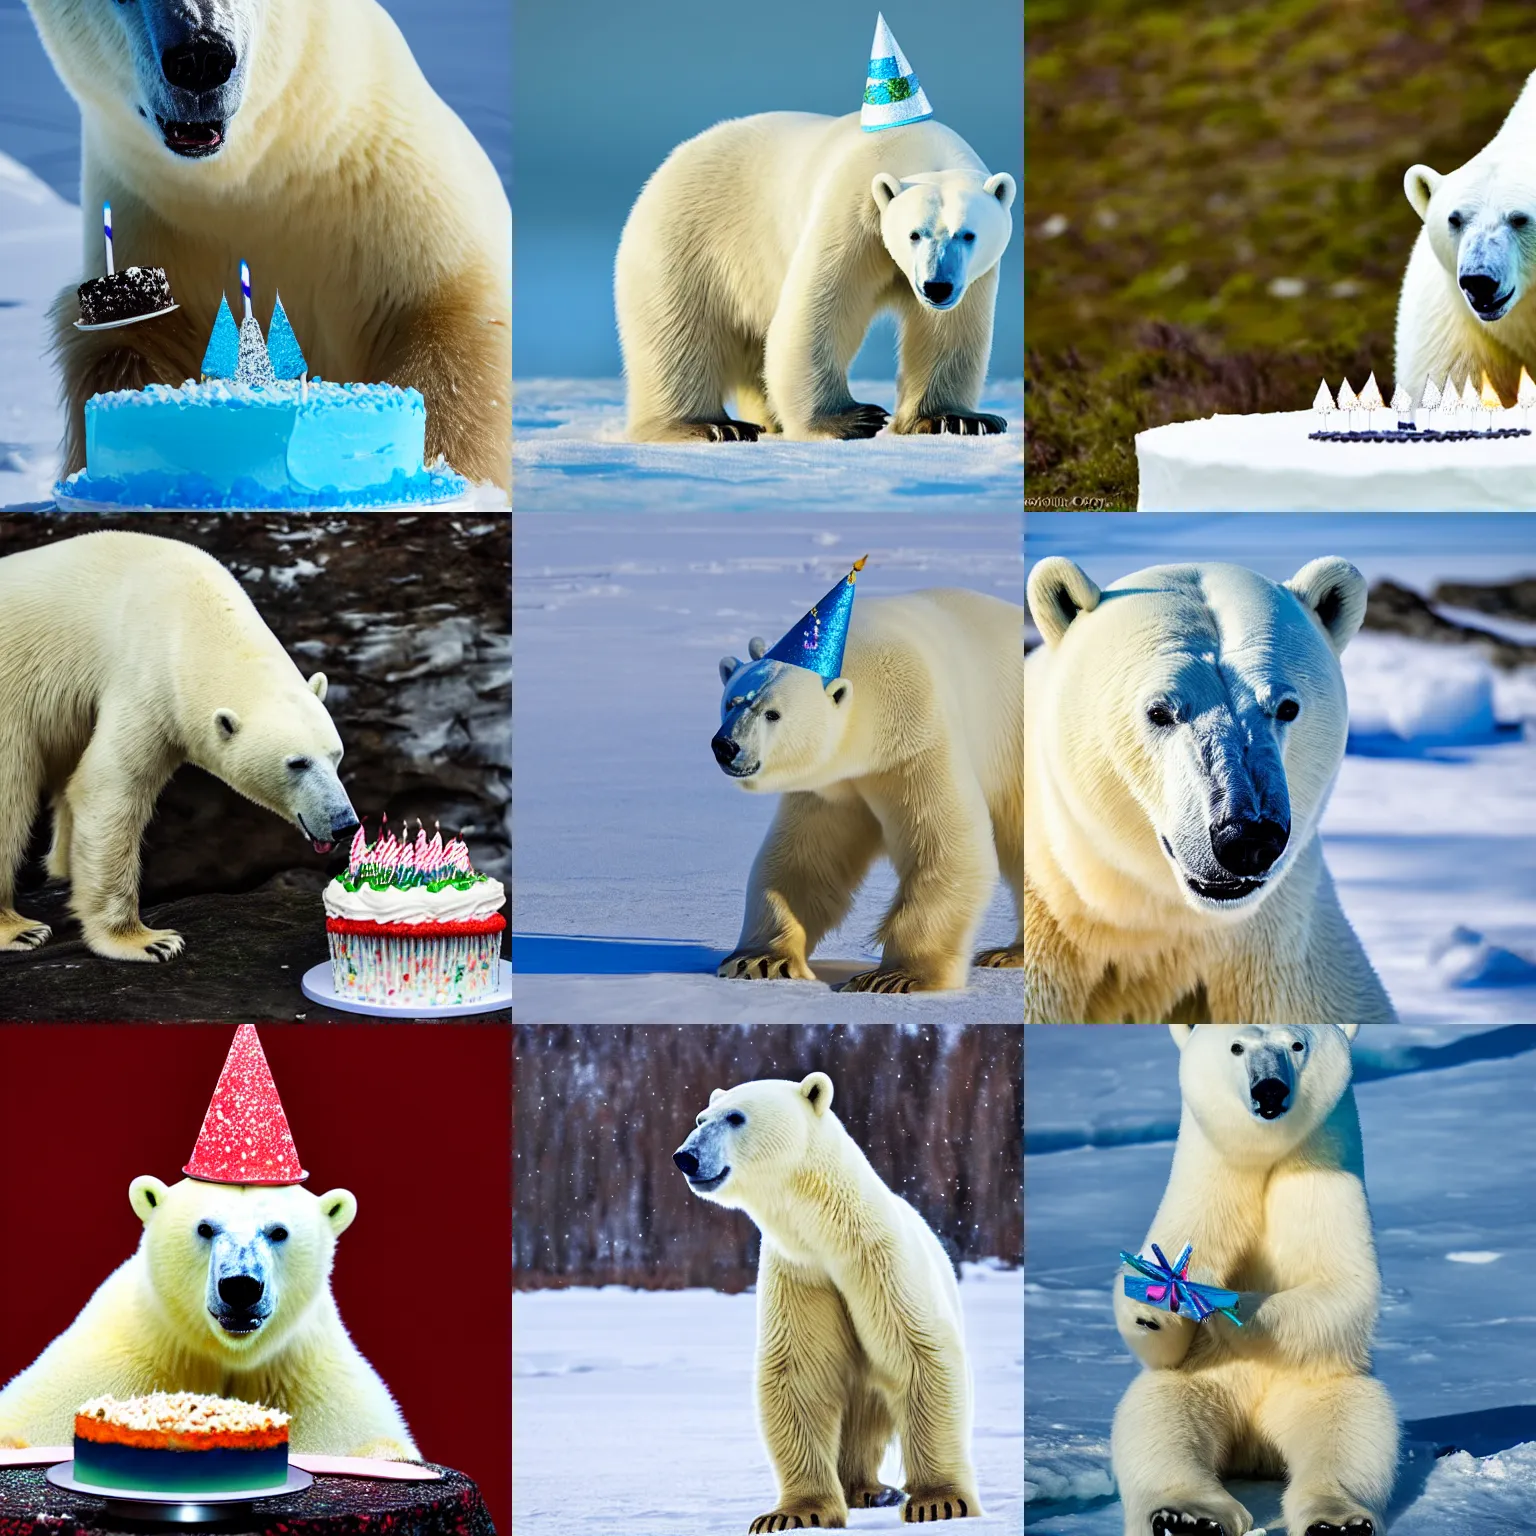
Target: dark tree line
point(600, 1110)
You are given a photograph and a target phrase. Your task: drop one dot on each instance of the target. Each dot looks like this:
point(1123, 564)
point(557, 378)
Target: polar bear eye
point(1160, 714)
point(968, 236)
point(1288, 710)
point(770, 714)
point(735, 1118)
point(278, 1235)
point(298, 764)
point(915, 237)
point(1296, 1045)
point(1237, 1049)
point(1455, 221)
point(204, 1230)
point(1519, 220)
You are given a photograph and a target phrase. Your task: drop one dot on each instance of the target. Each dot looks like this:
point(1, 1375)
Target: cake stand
point(318, 987)
point(175, 1508)
point(115, 325)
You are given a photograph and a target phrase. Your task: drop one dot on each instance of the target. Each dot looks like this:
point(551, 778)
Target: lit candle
point(1470, 402)
point(1402, 403)
point(1322, 403)
point(1489, 399)
point(1370, 398)
point(1525, 396)
point(245, 287)
point(1431, 402)
point(1348, 401)
point(106, 229)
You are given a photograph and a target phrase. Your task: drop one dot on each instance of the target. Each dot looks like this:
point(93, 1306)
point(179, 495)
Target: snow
point(1448, 1142)
point(1431, 830)
point(633, 849)
point(569, 451)
point(635, 1411)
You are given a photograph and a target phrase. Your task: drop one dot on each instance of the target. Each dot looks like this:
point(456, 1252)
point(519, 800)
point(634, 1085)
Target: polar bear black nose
point(1248, 848)
point(343, 825)
point(938, 292)
point(1270, 1094)
point(241, 1291)
point(725, 750)
point(687, 1162)
point(202, 64)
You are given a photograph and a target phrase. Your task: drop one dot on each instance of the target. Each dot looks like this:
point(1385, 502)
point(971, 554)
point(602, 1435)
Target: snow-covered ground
point(634, 1411)
point(1431, 832)
point(1449, 1145)
point(632, 848)
point(570, 455)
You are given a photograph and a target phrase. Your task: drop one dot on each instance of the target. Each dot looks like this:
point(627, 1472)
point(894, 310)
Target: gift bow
point(1169, 1287)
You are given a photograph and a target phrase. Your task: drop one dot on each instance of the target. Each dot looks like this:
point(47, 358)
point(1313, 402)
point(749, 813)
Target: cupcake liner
point(384, 967)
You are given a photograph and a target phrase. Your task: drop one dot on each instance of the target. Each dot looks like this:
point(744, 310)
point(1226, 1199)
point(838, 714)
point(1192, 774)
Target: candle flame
point(1490, 396)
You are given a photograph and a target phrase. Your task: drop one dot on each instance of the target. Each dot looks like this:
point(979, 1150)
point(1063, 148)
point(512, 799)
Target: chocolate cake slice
point(127, 295)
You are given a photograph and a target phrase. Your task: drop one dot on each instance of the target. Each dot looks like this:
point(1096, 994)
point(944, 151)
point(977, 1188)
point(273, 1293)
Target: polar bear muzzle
point(191, 63)
point(239, 1278)
point(702, 1158)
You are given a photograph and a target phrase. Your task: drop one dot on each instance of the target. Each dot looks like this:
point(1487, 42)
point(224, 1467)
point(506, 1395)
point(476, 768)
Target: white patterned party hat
point(892, 93)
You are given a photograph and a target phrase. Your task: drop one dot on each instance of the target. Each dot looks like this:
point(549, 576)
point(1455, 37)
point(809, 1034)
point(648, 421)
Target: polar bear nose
point(726, 751)
point(938, 292)
point(201, 64)
point(1481, 287)
point(240, 1291)
point(687, 1162)
point(1248, 847)
point(1270, 1094)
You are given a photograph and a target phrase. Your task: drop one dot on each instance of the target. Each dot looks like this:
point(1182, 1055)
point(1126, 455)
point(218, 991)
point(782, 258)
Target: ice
point(1415, 692)
point(1448, 1146)
point(660, 1384)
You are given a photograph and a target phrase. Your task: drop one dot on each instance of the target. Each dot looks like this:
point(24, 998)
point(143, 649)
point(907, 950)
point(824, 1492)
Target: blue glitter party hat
point(255, 366)
point(222, 359)
point(283, 346)
point(816, 642)
point(893, 95)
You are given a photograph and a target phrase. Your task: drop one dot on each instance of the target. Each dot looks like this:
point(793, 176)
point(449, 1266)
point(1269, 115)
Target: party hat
point(255, 366)
point(222, 359)
point(283, 346)
point(892, 94)
point(816, 642)
point(245, 1137)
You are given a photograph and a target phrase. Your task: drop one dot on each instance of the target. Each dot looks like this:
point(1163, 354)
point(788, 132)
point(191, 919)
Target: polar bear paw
point(1176, 1522)
point(1010, 957)
point(874, 1496)
point(1361, 1525)
point(856, 421)
point(885, 981)
point(763, 965)
point(137, 943)
point(725, 430)
point(942, 1503)
point(802, 1515)
point(959, 424)
point(21, 935)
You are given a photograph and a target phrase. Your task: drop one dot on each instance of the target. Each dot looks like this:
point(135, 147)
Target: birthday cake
point(255, 432)
point(180, 1444)
point(411, 923)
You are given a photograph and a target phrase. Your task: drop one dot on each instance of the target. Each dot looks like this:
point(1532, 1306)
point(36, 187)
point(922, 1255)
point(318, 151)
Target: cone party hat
point(245, 1137)
point(222, 359)
point(816, 642)
point(283, 348)
point(892, 92)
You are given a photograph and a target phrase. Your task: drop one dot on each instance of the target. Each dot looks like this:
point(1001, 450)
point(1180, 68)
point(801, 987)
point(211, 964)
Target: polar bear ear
point(1000, 186)
point(816, 1090)
point(729, 667)
point(1419, 182)
point(1336, 592)
point(757, 647)
point(883, 188)
point(1350, 1030)
point(1058, 592)
point(317, 686)
point(146, 1195)
point(840, 690)
point(225, 723)
point(1182, 1033)
point(339, 1207)
point(718, 1093)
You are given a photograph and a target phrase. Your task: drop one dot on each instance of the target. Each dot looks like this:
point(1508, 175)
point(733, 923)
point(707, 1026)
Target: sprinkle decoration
point(245, 1137)
point(1168, 1287)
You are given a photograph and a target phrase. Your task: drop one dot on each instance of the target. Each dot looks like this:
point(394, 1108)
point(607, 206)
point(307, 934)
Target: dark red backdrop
point(415, 1120)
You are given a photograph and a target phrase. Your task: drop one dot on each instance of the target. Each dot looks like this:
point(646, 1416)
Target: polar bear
point(1268, 1187)
point(127, 655)
point(916, 752)
point(305, 139)
point(1183, 731)
point(756, 257)
point(228, 1293)
point(1463, 308)
point(860, 1335)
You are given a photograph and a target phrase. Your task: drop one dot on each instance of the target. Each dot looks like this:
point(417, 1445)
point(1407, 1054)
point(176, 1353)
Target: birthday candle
point(1430, 402)
point(1469, 400)
point(1348, 402)
point(1402, 403)
point(1370, 398)
point(359, 851)
point(245, 287)
point(1322, 403)
point(1525, 394)
point(106, 228)
point(1450, 400)
point(1489, 399)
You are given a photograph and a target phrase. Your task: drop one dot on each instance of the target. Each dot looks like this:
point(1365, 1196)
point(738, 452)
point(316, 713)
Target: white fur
point(756, 257)
point(1276, 1210)
point(1120, 810)
point(860, 1332)
point(148, 1326)
point(915, 752)
point(1438, 331)
point(126, 656)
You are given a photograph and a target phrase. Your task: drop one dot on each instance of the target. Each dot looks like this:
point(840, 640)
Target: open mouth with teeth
point(238, 1323)
point(706, 1185)
point(1213, 890)
point(741, 773)
point(193, 141)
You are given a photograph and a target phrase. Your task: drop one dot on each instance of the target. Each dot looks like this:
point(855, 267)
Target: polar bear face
point(752, 1137)
point(283, 753)
point(780, 727)
point(944, 229)
point(176, 67)
point(1481, 223)
point(237, 1267)
point(1256, 1091)
point(1217, 725)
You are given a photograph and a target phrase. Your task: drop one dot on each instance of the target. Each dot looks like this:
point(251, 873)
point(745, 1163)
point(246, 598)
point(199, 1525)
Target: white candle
point(106, 227)
point(245, 287)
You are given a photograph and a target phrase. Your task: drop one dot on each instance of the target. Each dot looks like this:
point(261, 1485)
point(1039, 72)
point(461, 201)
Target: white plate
point(318, 987)
point(183, 1508)
point(116, 325)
